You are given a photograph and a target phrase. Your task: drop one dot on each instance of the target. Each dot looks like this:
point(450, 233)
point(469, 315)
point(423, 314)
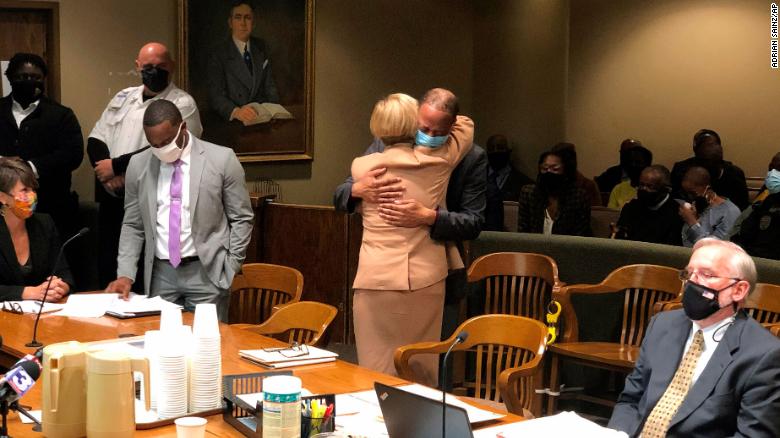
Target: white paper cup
point(190, 427)
point(170, 318)
point(206, 323)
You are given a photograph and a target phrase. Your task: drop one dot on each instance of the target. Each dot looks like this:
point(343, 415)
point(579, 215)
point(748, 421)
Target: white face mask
point(170, 152)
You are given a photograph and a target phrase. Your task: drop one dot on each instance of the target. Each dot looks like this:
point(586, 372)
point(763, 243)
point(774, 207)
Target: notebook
point(409, 415)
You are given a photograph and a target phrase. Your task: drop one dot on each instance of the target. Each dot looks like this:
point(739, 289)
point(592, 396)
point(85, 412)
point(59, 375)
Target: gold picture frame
point(285, 28)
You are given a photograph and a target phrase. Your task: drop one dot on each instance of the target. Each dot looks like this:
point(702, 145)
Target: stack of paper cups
point(206, 360)
point(172, 386)
point(152, 351)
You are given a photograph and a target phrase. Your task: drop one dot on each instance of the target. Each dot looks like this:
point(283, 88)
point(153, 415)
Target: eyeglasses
point(12, 308)
point(294, 350)
point(685, 275)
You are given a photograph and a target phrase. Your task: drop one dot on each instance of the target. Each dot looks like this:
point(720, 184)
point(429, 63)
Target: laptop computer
point(410, 415)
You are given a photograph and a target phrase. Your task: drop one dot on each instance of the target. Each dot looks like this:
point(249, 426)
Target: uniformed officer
point(119, 134)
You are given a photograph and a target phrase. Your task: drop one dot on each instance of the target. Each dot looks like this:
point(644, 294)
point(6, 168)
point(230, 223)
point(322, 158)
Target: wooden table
point(334, 377)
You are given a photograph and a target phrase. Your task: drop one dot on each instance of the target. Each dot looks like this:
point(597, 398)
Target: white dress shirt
point(712, 337)
point(241, 45)
point(164, 206)
point(22, 113)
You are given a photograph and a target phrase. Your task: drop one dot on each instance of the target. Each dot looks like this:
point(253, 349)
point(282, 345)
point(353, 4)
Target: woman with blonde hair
point(28, 241)
point(399, 286)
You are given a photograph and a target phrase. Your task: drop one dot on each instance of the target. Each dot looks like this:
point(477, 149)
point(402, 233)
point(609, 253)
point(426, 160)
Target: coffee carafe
point(111, 393)
point(64, 390)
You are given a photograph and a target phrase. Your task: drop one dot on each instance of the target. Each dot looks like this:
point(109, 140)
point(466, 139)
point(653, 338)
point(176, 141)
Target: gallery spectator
point(587, 185)
point(705, 213)
point(727, 179)
point(504, 181)
point(653, 216)
point(616, 174)
point(758, 228)
point(555, 205)
point(637, 158)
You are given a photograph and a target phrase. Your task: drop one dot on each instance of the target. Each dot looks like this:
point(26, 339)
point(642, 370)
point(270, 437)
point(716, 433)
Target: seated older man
point(652, 216)
point(707, 370)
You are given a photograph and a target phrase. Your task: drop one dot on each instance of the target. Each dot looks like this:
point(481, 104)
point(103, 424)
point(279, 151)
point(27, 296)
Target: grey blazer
point(230, 83)
point(222, 215)
point(737, 394)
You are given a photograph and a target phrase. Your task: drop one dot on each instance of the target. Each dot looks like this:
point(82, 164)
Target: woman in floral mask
point(28, 241)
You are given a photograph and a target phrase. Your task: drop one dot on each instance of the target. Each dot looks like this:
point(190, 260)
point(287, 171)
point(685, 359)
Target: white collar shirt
point(242, 45)
point(713, 335)
point(187, 245)
point(20, 113)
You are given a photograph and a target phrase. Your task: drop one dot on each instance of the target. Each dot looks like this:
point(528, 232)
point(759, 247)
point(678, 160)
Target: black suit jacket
point(737, 394)
point(51, 139)
point(230, 83)
point(44, 246)
point(465, 213)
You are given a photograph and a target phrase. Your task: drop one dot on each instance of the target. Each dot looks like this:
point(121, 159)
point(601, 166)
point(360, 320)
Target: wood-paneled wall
point(320, 242)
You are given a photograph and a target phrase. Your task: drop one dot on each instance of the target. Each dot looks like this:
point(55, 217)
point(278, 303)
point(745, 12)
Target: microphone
point(34, 343)
point(461, 338)
point(19, 379)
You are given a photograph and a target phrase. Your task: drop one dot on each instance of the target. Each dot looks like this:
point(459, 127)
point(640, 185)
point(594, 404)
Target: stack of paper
point(562, 424)
point(287, 357)
point(97, 305)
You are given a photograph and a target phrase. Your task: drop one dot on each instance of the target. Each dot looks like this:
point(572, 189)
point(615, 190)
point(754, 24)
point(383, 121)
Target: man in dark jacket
point(727, 179)
point(45, 134)
point(461, 220)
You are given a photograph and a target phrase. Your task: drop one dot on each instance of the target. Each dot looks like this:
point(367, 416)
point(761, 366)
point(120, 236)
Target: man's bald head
point(442, 100)
point(697, 176)
point(154, 54)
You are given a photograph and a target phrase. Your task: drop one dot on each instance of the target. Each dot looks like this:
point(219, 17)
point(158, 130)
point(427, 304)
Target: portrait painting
point(248, 64)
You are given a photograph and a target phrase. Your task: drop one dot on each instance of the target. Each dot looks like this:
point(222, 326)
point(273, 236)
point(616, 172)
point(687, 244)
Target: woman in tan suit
point(399, 286)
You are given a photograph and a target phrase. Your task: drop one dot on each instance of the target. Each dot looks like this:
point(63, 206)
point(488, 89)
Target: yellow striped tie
point(663, 412)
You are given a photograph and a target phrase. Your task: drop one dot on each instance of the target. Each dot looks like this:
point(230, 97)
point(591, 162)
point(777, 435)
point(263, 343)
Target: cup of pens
point(316, 417)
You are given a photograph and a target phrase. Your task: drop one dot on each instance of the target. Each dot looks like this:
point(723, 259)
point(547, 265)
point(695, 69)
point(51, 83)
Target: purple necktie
point(174, 217)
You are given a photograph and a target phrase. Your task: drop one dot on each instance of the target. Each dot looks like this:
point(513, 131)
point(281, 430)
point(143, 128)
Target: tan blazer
point(398, 258)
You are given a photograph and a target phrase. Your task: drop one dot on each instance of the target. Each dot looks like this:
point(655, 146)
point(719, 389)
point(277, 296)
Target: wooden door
point(32, 27)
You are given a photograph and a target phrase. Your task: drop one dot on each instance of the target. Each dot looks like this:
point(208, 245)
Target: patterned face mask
point(23, 208)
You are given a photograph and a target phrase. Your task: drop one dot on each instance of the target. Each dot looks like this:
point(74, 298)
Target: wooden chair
point(774, 329)
point(642, 287)
point(516, 283)
point(259, 287)
point(303, 322)
point(508, 353)
point(763, 303)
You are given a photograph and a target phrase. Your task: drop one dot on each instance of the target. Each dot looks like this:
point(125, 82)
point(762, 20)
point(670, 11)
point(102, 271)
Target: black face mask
point(700, 202)
point(155, 78)
point(498, 160)
point(26, 91)
point(696, 305)
point(551, 182)
point(650, 199)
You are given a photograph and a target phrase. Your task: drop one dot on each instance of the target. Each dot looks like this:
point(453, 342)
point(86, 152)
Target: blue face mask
point(426, 140)
point(772, 181)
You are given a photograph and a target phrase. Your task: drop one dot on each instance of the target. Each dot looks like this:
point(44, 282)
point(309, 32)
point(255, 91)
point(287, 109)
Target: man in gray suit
point(708, 370)
point(239, 71)
point(186, 199)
